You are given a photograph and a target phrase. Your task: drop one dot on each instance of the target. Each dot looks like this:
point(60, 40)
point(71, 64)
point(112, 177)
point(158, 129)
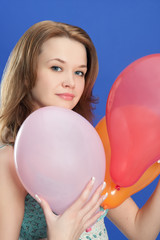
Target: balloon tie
point(117, 187)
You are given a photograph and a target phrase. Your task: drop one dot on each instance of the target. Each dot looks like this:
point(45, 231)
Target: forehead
point(65, 48)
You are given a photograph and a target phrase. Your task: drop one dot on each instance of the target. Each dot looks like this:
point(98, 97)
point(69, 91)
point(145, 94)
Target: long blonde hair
point(20, 75)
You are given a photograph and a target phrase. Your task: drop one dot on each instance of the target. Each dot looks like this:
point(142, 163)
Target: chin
point(66, 106)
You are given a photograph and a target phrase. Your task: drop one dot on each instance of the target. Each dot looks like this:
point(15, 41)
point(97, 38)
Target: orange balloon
point(117, 195)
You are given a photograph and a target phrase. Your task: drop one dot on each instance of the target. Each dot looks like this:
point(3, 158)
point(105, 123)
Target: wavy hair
point(20, 74)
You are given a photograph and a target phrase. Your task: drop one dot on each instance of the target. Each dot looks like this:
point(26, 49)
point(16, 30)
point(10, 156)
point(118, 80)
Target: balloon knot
point(117, 187)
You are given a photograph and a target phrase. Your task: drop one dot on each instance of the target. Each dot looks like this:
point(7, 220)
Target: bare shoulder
point(12, 196)
point(7, 163)
point(8, 173)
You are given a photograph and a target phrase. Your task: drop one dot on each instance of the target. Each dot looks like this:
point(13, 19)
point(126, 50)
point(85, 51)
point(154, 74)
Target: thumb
point(49, 215)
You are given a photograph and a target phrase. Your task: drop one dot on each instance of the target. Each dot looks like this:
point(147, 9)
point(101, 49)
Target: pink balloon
point(133, 120)
point(57, 152)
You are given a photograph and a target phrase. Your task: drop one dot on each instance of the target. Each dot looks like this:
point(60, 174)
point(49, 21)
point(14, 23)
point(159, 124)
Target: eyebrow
point(62, 61)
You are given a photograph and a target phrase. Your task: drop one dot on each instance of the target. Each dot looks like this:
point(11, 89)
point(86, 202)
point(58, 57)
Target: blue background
point(122, 31)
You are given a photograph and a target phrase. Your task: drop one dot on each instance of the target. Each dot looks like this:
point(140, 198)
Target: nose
point(69, 80)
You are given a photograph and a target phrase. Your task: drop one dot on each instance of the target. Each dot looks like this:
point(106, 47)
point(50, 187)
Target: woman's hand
point(77, 218)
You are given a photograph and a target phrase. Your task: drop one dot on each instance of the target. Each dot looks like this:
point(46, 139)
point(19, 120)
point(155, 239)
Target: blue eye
point(56, 68)
point(79, 73)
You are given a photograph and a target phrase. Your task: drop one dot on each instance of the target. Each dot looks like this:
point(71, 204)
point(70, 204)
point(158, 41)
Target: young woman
point(55, 64)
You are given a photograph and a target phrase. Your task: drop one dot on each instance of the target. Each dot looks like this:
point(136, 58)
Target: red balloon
point(133, 120)
point(115, 195)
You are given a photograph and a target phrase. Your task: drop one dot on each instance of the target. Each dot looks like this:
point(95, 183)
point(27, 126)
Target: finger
point(94, 209)
point(94, 203)
point(46, 209)
point(79, 203)
point(90, 222)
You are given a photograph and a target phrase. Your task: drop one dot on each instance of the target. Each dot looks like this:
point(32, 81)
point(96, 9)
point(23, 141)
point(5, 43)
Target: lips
point(66, 96)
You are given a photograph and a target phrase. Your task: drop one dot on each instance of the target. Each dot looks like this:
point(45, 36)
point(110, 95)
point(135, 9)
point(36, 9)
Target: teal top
point(34, 224)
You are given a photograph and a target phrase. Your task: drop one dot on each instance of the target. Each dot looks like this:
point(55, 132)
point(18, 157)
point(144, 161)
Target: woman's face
point(61, 69)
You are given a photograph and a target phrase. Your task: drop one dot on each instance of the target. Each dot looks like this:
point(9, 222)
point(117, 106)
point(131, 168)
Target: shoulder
point(8, 175)
point(6, 151)
point(6, 160)
point(12, 196)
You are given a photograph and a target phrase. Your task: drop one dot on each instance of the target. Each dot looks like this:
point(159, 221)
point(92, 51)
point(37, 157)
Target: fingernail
point(88, 229)
point(37, 198)
point(104, 185)
point(93, 180)
point(105, 196)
